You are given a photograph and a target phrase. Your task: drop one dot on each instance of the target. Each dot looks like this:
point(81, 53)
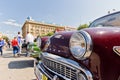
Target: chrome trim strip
point(72, 64)
point(114, 49)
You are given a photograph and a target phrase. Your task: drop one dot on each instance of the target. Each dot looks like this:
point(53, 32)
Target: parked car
point(89, 54)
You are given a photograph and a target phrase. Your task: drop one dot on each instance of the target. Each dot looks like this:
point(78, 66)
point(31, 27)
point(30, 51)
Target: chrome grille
point(60, 69)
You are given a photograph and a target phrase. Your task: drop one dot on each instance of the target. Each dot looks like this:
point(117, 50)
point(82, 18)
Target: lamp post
point(113, 10)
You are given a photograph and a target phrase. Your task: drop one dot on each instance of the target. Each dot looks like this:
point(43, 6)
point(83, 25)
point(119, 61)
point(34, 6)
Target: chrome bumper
point(39, 70)
point(44, 68)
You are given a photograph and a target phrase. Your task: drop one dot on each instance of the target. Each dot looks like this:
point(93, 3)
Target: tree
point(48, 34)
point(82, 26)
point(5, 38)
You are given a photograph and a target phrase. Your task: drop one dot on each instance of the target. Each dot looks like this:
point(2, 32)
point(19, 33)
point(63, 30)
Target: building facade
point(39, 28)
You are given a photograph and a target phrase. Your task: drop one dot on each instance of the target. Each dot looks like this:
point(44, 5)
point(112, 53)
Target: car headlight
point(80, 45)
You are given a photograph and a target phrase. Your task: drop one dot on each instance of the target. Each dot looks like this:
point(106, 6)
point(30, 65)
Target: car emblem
point(116, 49)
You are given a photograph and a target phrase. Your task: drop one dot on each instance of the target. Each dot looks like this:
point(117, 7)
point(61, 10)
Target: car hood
point(104, 39)
point(59, 44)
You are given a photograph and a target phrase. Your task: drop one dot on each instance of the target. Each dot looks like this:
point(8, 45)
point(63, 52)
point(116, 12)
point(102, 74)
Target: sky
point(73, 13)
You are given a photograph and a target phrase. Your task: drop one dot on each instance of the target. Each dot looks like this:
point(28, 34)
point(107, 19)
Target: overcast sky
point(13, 13)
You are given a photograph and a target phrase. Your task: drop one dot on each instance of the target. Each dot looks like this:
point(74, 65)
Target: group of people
point(17, 43)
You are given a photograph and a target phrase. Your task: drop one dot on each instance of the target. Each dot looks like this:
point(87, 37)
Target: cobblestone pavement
point(16, 68)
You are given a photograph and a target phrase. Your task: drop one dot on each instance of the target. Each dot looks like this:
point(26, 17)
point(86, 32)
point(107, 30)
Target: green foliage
point(83, 26)
point(35, 50)
point(49, 34)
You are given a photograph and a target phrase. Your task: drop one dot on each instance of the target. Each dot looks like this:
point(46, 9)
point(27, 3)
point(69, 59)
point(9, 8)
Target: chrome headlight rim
point(88, 44)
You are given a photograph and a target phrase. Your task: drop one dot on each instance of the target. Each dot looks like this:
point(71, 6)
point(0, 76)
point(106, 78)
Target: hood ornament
point(116, 49)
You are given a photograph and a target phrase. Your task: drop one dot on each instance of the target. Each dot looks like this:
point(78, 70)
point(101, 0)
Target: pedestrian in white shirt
point(38, 41)
point(29, 40)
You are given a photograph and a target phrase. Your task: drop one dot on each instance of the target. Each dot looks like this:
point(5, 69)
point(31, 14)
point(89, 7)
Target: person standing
point(38, 40)
point(8, 43)
point(29, 40)
point(15, 46)
point(19, 39)
point(1, 46)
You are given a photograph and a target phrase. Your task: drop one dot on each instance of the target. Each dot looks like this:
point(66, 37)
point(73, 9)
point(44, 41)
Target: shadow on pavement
point(21, 64)
point(10, 55)
point(9, 49)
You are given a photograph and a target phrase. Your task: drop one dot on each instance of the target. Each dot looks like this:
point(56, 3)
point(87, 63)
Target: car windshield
point(112, 20)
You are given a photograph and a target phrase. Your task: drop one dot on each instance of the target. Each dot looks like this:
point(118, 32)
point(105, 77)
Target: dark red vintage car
point(89, 54)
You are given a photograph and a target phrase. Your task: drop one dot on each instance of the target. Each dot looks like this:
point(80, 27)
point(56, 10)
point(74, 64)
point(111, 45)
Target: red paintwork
point(60, 46)
point(103, 63)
